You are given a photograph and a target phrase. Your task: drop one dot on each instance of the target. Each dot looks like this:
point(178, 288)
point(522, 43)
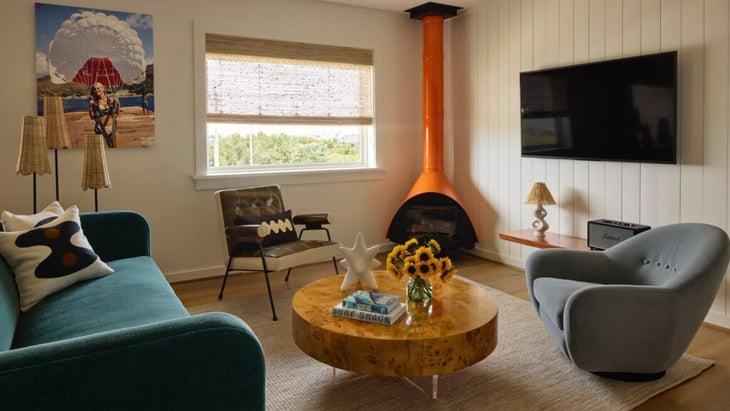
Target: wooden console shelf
point(551, 240)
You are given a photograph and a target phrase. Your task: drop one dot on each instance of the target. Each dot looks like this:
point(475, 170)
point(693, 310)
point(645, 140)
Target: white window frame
point(205, 180)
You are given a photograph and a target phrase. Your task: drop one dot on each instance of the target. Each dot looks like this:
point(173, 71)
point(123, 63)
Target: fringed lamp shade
point(56, 130)
point(33, 155)
point(96, 174)
point(540, 195)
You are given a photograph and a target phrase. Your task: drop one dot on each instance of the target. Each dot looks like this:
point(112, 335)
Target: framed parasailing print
point(100, 64)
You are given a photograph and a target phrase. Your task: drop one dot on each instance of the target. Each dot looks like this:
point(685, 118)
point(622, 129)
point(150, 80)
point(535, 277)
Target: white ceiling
point(402, 5)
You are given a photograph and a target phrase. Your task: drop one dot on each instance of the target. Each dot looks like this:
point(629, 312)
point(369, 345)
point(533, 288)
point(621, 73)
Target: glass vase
point(418, 289)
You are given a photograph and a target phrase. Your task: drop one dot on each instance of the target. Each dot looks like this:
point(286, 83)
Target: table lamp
point(33, 155)
point(540, 195)
point(96, 173)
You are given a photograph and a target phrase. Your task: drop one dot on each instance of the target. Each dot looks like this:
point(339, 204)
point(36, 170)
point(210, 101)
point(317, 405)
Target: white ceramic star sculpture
point(359, 262)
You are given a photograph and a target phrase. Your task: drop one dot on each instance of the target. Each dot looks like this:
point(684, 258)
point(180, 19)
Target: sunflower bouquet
point(421, 263)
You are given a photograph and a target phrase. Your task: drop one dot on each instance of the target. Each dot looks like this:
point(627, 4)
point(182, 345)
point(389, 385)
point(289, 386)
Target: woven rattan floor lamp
point(56, 131)
point(96, 173)
point(33, 155)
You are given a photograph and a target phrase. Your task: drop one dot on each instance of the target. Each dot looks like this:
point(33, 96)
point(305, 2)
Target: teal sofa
point(123, 341)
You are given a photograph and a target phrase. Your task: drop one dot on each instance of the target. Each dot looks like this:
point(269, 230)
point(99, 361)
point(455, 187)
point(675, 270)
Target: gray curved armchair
point(631, 311)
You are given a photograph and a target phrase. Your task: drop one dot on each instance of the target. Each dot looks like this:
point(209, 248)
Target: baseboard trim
point(496, 257)
point(198, 274)
point(718, 320)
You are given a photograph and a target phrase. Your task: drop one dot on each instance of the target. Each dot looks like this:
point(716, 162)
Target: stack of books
point(369, 306)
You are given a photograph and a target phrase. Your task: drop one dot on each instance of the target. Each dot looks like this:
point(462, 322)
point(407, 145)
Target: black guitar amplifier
point(603, 234)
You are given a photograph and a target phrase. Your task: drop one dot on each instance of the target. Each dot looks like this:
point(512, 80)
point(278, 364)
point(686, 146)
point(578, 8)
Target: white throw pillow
point(14, 222)
point(50, 257)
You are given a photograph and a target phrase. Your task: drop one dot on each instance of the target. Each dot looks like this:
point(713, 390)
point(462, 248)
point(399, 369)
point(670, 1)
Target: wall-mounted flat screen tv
point(614, 110)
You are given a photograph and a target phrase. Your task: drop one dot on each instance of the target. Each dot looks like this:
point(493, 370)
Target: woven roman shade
point(259, 81)
point(245, 46)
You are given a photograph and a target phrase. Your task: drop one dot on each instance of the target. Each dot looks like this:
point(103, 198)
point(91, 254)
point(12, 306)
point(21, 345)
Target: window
point(275, 105)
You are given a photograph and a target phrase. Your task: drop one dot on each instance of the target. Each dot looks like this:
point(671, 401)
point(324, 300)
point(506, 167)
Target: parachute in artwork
point(100, 64)
point(95, 47)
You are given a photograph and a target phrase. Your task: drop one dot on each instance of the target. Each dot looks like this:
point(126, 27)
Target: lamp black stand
point(55, 163)
point(35, 209)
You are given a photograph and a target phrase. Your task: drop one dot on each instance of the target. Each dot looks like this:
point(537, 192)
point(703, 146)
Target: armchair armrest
point(208, 361)
point(613, 318)
point(247, 233)
point(578, 265)
point(117, 234)
point(313, 220)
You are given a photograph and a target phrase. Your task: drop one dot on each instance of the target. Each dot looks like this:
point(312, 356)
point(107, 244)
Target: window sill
point(222, 181)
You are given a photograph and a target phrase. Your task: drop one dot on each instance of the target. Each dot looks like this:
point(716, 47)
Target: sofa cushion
point(553, 294)
point(9, 301)
point(136, 294)
point(8, 306)
point(50, 257)
point(17, 222)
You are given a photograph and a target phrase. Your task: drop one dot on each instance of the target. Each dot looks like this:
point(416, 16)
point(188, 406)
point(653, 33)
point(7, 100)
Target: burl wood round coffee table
point(459, 329)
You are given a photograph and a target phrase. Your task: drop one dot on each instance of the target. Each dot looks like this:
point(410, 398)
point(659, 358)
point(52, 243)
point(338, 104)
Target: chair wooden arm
point(246, 232)
point(313, 220)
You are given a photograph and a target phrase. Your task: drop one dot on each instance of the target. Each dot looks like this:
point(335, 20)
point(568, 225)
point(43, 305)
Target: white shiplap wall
point(488, 46)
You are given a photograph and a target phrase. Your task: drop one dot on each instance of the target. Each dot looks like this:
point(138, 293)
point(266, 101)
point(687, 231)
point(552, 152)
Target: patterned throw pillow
point(50, 257)
point(14, 222)
point(281, 228)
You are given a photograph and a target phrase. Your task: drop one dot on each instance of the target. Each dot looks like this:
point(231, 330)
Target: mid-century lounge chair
point(630, 312)
point(258, 234)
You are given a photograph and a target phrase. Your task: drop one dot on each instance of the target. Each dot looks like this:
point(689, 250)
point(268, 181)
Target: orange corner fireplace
point(432, 208)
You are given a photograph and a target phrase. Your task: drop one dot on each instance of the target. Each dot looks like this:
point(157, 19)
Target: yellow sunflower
point(410, 267)
point(448, 273)
point(444, 264)
point(416, 259)
point(424, 255)
point(435, 246)
point(397, 254)
point(393, 269)
point(410, 244)
point(445, 277)
point(425, 271)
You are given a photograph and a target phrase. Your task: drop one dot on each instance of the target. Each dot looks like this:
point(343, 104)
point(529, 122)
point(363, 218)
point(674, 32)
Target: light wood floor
point(708, 391)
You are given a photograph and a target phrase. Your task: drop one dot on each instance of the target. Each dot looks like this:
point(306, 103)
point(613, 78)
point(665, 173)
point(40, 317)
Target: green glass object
point(418, 289)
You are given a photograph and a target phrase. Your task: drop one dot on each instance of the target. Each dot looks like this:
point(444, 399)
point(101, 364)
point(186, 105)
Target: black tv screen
point(614, 110)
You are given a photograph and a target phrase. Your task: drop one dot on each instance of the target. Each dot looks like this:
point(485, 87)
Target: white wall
point(491, 44)
point(157, 182)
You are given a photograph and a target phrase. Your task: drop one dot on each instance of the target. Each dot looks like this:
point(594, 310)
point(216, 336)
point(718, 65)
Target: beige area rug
point(525, 371)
